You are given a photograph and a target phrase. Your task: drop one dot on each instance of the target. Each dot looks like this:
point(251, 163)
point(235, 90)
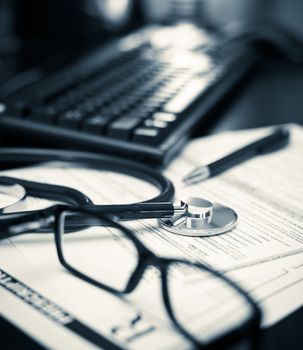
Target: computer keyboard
point(139, 97)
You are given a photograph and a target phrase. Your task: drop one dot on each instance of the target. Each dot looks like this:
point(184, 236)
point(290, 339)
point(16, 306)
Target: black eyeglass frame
point(18, 224)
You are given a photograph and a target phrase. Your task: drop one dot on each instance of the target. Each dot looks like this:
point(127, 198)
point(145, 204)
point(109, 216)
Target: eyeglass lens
point(100, 252)
point(204, 305)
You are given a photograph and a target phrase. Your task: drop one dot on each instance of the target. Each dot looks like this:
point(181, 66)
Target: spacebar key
point(191, 92)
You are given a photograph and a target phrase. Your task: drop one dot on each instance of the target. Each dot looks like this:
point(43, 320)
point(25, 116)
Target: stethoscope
point(191, 216)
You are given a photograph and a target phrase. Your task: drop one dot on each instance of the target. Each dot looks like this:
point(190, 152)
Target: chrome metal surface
point(199, 174)
point(201, 219)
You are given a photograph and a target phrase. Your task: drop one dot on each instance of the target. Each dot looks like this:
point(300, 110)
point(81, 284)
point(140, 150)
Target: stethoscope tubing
point(157, 207)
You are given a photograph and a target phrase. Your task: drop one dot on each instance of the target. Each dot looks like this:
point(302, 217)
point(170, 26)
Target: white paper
point(263, 253)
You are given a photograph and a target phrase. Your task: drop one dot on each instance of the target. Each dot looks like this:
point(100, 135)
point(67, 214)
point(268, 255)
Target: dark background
point(271, 94)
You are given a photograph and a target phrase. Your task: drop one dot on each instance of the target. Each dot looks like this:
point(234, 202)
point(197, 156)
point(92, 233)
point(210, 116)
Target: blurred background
point(49, 25)
point(50, 33)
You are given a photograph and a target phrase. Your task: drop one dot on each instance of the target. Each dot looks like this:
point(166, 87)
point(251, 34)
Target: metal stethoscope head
point(199, 217)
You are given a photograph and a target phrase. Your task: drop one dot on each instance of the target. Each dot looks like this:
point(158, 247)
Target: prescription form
point(264, 253)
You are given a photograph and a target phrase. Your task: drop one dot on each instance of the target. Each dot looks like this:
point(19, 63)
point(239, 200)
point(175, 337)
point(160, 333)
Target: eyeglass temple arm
point(14, 224)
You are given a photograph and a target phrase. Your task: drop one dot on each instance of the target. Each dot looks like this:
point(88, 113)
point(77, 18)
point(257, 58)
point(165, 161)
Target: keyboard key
point(46, 115)
point(99, 101)
point(187, 96)
point(62, 103)
point(159, 124)
point(138, 113)
point(122, 127)
point(145, 111)
point(123, 106)
point(59, 106)
point(146, 135)
point(22, 108)
point(111, 111)
point(71, 119)
point(87, 108)
point(164, 117)
point(96, 124)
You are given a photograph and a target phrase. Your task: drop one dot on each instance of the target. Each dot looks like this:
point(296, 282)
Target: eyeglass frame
point(22, 223)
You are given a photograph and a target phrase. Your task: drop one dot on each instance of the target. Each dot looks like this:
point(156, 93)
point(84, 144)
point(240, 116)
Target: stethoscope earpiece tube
point(158, 206)
point(64, 194)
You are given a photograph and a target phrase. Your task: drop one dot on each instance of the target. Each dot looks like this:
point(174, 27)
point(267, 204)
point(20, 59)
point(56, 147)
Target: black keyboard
point(139, 97)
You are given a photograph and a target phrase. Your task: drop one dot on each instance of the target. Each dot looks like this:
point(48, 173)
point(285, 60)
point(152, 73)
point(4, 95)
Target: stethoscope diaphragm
point(200, 218)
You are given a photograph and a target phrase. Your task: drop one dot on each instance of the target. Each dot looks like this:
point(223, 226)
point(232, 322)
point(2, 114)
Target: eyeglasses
point(106, 254)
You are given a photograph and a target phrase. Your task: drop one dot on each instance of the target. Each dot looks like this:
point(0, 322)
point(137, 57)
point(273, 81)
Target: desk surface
point(272, 95)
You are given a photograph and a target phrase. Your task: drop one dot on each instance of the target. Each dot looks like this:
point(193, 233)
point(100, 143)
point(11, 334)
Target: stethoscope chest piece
point(200, 218)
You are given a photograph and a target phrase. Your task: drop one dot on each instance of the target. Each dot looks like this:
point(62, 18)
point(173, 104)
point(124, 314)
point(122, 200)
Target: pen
point(278, 139)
